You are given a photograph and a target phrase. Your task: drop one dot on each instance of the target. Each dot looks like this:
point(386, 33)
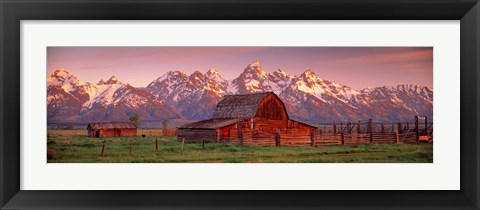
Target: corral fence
point(367, 131)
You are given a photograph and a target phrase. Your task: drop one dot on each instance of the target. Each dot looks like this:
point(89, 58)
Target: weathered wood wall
point(269, 126)
point(113, 132)
point(228, 134)
point(263, 131)
point(197, 135)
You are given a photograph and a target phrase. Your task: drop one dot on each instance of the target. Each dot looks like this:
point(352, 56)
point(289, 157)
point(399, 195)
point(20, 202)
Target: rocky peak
point(62, 76)
point(279, 75)
point(101, 82)
point(254, 69)
point(309, 77)
point(111, 81)
point(214, 75)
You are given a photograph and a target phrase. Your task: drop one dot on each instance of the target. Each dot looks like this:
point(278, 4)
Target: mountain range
point(175, 95)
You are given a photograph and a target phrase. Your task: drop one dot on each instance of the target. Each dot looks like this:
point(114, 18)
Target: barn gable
point(245, 106)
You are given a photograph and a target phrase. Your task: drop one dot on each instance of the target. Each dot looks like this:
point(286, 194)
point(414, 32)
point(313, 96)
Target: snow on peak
point(283, 73)
point(111, 81)
point(61, 77)
point(255, 68)
point(196, 79)
point(175, 73)
point(171, 75)
point(214, 75)
point(213, 71)
point(255, 63)
point(280, 74)
point(197, 73)
point(308, 72)
point(310, 76)
point(61, 73)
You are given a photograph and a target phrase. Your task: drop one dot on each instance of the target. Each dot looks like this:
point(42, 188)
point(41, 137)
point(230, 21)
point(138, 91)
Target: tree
point(164, 124)
point(135, 119)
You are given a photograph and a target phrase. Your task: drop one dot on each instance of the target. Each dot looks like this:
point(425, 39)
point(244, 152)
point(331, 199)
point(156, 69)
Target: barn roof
point(111, 125)
point(210, 124)
point(305, 124)
point(239, 106)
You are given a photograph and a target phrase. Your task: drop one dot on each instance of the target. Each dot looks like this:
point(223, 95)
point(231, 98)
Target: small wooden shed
point(257, 118)
point(105, 129)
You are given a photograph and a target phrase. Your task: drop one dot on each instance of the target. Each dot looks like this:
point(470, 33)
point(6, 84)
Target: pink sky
point(357, 67)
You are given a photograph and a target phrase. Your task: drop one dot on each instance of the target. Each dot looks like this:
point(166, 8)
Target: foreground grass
point(76, 147)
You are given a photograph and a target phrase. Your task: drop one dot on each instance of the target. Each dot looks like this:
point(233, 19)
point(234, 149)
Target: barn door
point(97, 134)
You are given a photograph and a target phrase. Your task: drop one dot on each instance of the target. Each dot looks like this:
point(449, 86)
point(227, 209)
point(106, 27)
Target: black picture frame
point(13, 11)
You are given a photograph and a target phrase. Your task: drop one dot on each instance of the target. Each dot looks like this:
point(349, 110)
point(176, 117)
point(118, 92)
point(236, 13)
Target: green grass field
point(73, 146)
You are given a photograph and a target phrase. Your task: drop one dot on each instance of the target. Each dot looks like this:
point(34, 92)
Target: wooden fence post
point(239, 133)
point(131, 143)
point(334, 128)
point(69, 148)
point(183, 142)
point(218, 136)
point(396, 137)
point(358, 127)
point(370, 128)
point(277, 139)
point(416, 128)
point(319, 137)
point(103, 147)
point(203, 144)
point(156, 144)
point(342, 137)
point(312, 138)
point(253, 127)
point(426, 126)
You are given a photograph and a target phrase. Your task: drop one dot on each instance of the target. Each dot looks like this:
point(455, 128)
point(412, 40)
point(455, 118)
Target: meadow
point(73, 146)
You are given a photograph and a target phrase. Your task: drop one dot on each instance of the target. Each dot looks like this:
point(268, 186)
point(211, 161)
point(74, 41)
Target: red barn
point(105, 129)
point(257, 118)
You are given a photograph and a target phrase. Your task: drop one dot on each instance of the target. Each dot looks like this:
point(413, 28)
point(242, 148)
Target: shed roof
point(111, 125)
point(210, 124)
point(239, 106)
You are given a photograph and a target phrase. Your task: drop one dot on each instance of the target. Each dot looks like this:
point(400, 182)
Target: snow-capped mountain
point(308, 97)
point(252, 79)
point(70, 100)
point(193, 96)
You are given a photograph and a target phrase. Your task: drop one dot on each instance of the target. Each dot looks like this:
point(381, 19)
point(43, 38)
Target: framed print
point(227, 104)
